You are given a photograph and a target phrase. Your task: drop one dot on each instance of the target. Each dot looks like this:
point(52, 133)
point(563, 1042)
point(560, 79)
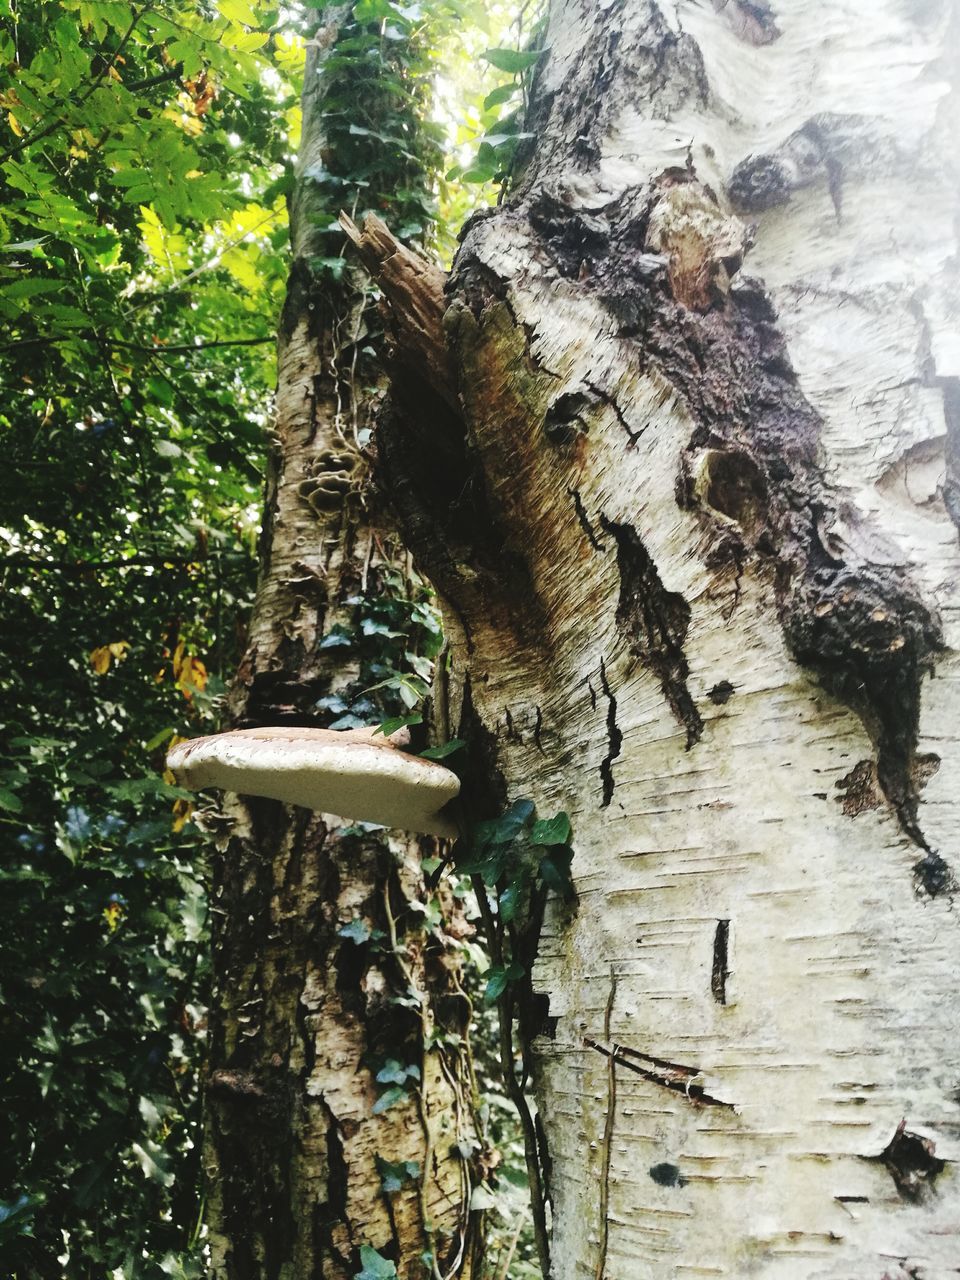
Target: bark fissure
point(719, 969)
point(654, 622)
point(584, 520)
point(614, 738)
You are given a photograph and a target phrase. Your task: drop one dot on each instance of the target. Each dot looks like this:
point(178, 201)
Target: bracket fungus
point(355, 773)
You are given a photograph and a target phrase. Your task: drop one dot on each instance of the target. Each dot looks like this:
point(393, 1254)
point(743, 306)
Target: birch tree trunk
point(332, 985)
point(694, 520)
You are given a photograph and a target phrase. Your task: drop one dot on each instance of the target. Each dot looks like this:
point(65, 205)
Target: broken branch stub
point(413, 289)
point(354, 773)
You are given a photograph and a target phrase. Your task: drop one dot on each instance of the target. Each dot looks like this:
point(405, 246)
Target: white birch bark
point(766, 927)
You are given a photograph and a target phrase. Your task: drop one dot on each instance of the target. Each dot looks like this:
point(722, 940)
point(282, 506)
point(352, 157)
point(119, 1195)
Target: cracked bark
point(303, 1016)
point(792, 492)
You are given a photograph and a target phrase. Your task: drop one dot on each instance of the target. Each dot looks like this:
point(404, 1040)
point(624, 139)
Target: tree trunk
point(695, 526)
point(336, 975)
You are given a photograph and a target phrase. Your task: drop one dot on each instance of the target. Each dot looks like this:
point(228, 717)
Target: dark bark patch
point(667, 1175)
point(721, 693)
point(823, 149)
point(654, 621)
point(912, 1162)
point(849, 610)
point(614, 740)
point(565, 419)
point(719, 970)
point(932, 875)
point(751, 20)
point(924, 767)
point(951, 413)
point(760, 182)
point(483, 791)
point(575, 239)
point(859, 789)
point(866, 631)
point(732, 484)
point(338, 1171)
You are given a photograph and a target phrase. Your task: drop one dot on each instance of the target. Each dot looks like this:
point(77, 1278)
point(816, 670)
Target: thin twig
point(607, 1134)
point(515, 1091)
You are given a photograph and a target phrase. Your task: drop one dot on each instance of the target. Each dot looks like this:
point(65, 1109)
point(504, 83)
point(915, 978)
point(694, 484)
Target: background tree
point(341, 1131)
point(691, 512)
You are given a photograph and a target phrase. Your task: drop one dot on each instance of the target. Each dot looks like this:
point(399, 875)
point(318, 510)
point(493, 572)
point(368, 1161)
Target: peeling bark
point(697, 507)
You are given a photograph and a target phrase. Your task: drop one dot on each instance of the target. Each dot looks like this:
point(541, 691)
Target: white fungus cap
point(354, 773)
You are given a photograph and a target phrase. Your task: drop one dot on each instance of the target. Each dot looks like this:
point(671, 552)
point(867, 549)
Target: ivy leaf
point(554, 830)
point(349, 721)
point(499, 976)
point(389, 1099)
point(507, 827)
point(513, 61)
point(503, 93)
point(398, 722)
point(357, 931)
point(336, 638)
point(509, 901)
point(375, 1265)
point(555, 872)
point(371, 627)
point(393, 1174)
point(443, 750)
point(392, 1072)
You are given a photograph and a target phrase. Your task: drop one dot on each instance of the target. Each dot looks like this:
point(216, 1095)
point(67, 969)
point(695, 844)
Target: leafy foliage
point(511, 854)
point(140, 273)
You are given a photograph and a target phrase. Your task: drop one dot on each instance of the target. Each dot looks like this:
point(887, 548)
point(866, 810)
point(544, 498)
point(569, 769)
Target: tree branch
point(173, 349)
point(413, 288)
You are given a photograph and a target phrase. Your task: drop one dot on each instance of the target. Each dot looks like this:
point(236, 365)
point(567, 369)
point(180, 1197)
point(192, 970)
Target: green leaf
point(513, 61)
point(9, 801)
point(555, 872)
point(503, 93)
point(357, 931)
point(398, 722)
point(157, 738)
point(511, 822)
point(508, 901)
point(337, 637)
point(389, 1099)
point(23, 289)
point(238, 11)
point(554, 830)
point(392, 1072)
point(375, 1266)
point(393, 1175)
point(444, 749)
point(498, 978)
